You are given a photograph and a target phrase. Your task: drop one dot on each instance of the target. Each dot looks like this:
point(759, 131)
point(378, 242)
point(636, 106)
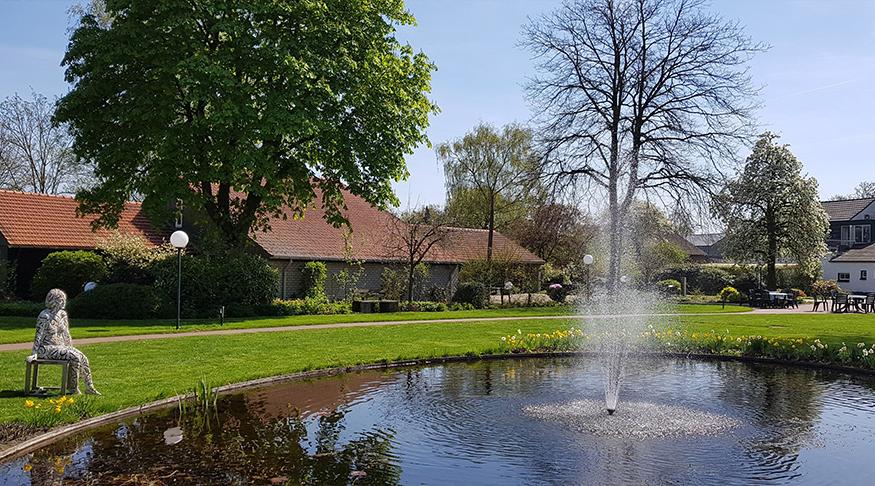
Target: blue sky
point(818, 77)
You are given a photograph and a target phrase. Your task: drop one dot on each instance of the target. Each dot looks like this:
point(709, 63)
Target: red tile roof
point(312, 238)
point(29, 220)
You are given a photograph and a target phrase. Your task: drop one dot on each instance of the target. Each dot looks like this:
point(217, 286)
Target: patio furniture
point(777, 299)
point(840, 303)
point(31, 375)
point(757, 298)
point(869, 303)
point(858, 301)
point(820, 300)
point(791, 299)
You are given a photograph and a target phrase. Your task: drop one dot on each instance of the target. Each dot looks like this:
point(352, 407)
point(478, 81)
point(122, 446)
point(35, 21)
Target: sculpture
point(53, 341)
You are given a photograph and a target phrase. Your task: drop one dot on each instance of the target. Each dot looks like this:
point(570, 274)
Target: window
point(844, 277)
point(864, 274)
point(856, 234)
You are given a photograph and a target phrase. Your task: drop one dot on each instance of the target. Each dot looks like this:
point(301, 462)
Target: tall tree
point(772, 210)
point(36, 154)
point(240, 108)
point(556, 232)
point(638, 96)
point(412, 237)
point(491, 170)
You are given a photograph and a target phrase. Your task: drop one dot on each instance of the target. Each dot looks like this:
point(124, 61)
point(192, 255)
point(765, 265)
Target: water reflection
point(462, 424)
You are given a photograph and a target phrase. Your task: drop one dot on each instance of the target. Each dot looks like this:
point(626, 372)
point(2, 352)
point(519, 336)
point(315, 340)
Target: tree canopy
point(240, 108)
point(489, 174)
point(772, 210)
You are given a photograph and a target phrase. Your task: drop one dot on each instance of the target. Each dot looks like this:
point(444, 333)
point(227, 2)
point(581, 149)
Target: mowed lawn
point(831, 328)
point(21, 329)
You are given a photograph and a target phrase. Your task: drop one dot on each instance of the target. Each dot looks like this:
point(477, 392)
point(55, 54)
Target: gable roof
point(680, 241)
point(846, 209)
point(705, 239)
point(312, 238)
point(29, 220)
point(859, 255)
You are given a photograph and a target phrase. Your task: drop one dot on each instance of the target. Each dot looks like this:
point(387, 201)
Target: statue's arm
point(42, 324)
point(65, 330)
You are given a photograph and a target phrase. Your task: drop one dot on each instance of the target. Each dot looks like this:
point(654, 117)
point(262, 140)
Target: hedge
point(119, 301)
point(68, 271)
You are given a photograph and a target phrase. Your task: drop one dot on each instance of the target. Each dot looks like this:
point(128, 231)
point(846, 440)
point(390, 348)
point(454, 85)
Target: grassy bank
point(20, 329)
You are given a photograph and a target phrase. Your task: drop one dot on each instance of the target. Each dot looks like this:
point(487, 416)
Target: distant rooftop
point(845, 209)
point(705, 239)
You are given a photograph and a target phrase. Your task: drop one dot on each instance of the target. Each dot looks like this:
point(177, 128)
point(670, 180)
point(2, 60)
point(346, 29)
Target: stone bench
point(31, 375)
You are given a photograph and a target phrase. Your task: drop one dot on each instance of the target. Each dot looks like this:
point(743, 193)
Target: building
point(34, 225)
point(710, 244)
point(851, 261)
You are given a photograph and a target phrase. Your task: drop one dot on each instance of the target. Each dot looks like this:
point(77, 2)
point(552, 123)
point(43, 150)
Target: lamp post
point(179, 240)
point(587, 262)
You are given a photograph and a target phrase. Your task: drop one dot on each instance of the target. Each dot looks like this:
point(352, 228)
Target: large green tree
point(239, 108)
point(771, 210)
point(489, 174)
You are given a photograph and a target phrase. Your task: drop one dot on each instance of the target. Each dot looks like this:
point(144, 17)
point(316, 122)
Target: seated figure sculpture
point(53, 341)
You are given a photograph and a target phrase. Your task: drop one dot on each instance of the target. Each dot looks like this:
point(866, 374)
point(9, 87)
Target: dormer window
point(856, 234)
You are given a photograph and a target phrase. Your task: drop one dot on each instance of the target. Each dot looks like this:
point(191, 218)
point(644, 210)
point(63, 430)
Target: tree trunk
point(411, 269)
point(491, 227)
point(772, 251)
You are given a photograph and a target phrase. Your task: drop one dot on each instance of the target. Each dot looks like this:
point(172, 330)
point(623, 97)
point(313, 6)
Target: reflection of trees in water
point(782, 402)
point(249, 446)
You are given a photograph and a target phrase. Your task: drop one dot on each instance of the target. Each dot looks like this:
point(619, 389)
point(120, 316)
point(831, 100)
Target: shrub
point(129, 259)
point(558, 292)
point(825, 287)
point(730, 294)
point(233, 280)
point(461, 306)
point(7, 279)
point(295, 307)
point(392, 283)
point(474, 293)
point(118, 301)
point(423, 306)
point(21, 309)
point(314, 275)
point(669, 286)
point(702, 278)
point(68, 271)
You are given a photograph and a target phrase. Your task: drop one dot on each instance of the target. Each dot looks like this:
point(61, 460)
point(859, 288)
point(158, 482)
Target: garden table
point(857, 299)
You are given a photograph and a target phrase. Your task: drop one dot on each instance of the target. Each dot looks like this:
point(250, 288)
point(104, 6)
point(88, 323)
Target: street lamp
point(587, 262)
point(179, 240)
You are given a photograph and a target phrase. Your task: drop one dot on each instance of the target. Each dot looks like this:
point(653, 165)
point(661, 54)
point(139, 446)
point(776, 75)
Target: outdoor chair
point(31, 375)
point(755, 298)
point(791, 300)
point(820, 300)
point(841, 303)
point(869, 304)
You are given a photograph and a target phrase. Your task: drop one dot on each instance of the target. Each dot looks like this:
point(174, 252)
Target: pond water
point(471, 423)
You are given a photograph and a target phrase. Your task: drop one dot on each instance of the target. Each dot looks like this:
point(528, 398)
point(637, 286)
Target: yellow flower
point(57, 409)
point(28, 403)
point(27, 467)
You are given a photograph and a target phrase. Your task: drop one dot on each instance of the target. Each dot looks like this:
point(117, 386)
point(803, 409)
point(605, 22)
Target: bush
point(129, 259)
point(669, 286)
point(825, 287)
point(700, 278)
point(730, 294)
point(68, 271)
point(474, 293)
point(461, 306)
point(21, 309)
point(314, 275)
point(239, 281)
point(392, 283)
point(423, 306)
point(296, 307)
point(7, 279)
point(118, 301)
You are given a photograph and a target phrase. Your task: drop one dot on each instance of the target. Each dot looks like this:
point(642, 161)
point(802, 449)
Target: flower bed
point(860, 355)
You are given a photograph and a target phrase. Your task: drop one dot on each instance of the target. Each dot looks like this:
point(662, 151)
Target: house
point(34, 225)
point(851, 261)
point(694, 254)
point(293, 242)
point(710, 244)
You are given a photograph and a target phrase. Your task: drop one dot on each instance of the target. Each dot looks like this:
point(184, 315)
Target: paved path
point(225, 332)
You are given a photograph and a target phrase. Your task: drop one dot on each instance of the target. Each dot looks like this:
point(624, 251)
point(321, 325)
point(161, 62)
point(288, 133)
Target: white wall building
point(852, 261)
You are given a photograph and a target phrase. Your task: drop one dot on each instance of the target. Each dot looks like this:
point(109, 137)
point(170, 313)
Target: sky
point(818, 77)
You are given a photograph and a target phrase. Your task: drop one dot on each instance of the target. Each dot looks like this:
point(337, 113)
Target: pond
point(472, 423)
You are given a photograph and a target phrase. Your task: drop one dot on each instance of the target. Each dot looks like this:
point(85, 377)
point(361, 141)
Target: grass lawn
point(831, 328)
point(21, 329)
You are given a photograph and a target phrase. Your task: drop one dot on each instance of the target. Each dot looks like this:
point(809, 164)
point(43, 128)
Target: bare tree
point(639, 96)
point(412, 237)
point(36, 154)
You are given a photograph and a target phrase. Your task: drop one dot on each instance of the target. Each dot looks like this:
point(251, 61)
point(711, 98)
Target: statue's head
point(56, 300)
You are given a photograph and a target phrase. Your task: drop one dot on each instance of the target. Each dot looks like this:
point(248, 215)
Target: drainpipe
point(283, 279)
